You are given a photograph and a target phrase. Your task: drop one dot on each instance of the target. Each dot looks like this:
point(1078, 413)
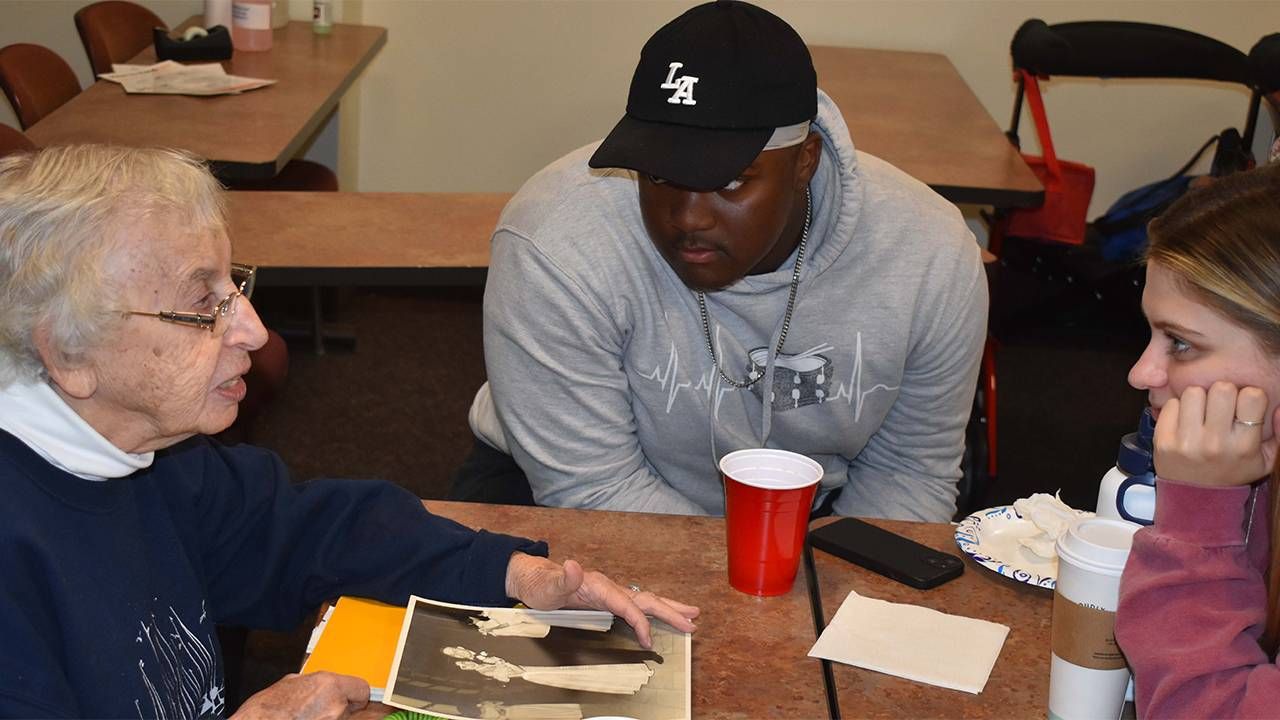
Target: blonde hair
point(60, 209)
point(1223, 244)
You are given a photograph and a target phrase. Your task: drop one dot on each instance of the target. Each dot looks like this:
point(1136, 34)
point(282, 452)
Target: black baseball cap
point(710, 89)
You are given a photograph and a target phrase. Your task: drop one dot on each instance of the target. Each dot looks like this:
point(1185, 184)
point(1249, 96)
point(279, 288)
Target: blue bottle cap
point(1133, 458)
point(1146, 428)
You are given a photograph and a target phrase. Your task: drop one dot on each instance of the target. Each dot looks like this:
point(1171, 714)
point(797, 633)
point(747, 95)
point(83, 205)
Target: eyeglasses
point(242, 276)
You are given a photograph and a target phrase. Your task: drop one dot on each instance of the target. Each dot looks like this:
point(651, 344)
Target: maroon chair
point(36, 80)
point(13, 141)
point(113, 31)
point(295, 176)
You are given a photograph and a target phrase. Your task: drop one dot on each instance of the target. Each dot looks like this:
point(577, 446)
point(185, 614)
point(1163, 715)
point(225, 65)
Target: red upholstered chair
point(113, 31)
point(13, 141)
point(36, 80)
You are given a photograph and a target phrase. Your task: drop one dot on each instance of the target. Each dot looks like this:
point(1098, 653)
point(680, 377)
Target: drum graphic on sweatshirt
point(798, 380)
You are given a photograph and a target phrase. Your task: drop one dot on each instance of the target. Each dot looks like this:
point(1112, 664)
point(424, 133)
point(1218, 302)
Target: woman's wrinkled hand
point(544, 584)
point(1215, 437)
point(314, 696)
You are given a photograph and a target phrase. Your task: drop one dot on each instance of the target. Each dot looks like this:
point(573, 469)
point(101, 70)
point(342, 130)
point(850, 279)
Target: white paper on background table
point(171, 78)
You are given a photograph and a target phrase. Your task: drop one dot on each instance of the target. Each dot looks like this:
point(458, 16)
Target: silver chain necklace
point(1253, 503)
point(786, 317)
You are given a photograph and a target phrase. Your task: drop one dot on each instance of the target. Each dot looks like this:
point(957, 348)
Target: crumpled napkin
point(1053, 518)
point(912, 642)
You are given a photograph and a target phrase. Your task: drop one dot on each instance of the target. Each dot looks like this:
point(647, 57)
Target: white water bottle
point(217, 12)
point(1128, 490)
point(251, 25)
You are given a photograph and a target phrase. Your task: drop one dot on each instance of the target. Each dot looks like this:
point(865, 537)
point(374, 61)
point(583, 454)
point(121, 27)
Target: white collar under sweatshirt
point(35, 414)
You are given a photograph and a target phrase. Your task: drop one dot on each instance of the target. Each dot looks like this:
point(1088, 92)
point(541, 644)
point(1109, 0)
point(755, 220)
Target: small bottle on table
point(322, 17)
point(251, 25)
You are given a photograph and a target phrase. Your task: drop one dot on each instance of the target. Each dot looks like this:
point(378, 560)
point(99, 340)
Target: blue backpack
point(1122, 231)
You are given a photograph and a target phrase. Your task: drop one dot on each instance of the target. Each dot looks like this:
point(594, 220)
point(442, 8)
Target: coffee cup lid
point(1098, 544)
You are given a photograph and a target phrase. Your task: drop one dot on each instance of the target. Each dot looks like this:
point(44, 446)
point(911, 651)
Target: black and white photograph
point(461, 661)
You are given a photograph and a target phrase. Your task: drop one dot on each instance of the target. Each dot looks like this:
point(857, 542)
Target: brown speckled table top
point(1019, 683)
point(749, 654)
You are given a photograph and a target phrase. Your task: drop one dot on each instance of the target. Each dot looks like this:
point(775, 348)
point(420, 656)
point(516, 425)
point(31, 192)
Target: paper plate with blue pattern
point(991, 537)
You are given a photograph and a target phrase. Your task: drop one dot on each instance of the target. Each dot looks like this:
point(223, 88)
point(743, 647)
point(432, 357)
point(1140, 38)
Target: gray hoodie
point(602, 389)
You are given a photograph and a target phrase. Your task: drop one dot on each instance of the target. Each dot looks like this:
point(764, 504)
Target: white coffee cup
point(1087, 673)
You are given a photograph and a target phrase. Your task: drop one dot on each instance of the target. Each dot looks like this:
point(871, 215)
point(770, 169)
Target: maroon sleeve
point(1193, 605)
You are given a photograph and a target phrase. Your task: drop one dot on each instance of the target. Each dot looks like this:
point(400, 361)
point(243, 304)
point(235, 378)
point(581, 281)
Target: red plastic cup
point(767, 497)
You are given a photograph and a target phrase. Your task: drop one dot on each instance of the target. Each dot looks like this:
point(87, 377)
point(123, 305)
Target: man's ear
point(73, 375)
point(807, 159)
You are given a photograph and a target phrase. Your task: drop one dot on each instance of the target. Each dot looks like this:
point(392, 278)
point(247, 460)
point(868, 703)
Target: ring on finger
point(1248, 423)
point(634, 588)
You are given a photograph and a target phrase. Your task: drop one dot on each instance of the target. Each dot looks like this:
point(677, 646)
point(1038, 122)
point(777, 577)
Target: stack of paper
point(479, 663)
point(475, 663)
point(171, 78)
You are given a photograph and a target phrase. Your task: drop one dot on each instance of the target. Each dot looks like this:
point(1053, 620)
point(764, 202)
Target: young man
point(725, 271)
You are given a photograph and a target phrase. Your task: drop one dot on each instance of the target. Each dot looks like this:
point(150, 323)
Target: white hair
point(59, 210)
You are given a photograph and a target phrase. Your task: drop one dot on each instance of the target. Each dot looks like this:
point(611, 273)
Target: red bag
point(1068, 186)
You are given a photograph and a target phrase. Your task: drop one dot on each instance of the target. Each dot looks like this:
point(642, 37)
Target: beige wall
point(478, 94)
point(472, 95)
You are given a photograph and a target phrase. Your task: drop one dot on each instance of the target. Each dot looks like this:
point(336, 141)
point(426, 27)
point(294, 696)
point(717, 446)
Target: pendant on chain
point(786, 317)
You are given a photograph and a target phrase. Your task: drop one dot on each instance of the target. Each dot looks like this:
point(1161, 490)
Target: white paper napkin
point(912, 642)
point(1052, 518)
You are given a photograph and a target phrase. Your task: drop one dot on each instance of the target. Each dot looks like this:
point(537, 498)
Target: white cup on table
point(1087, 672)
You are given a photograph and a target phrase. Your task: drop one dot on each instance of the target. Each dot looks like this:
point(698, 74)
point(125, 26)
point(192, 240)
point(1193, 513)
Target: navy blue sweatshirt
point(110, 591)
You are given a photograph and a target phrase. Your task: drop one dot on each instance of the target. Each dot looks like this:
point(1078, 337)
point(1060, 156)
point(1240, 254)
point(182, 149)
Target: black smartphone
point(887, 553)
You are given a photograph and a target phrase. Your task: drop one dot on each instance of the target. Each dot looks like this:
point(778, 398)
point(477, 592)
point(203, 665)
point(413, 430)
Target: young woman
point(1198, 617)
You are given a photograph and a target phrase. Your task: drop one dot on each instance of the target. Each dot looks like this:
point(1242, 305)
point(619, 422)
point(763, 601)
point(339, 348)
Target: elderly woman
point(125, 534)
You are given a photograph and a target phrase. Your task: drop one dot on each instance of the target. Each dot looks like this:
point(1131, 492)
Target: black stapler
point(215, 44)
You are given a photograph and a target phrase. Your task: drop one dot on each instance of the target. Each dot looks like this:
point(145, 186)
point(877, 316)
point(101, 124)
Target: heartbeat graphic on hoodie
point(708, 382)
point(798, 380)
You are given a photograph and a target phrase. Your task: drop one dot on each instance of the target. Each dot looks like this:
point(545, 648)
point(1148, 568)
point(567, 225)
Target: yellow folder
point(358, 639)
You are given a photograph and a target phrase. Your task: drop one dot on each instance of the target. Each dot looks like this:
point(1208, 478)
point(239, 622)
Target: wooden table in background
point(749, 654)
point(301, 238)
point(249, 136)
point(1019, 683)
point(915, 111)
point(911, 109)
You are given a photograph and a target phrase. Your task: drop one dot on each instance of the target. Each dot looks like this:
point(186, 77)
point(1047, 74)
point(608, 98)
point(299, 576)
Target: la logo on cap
point(682, 85)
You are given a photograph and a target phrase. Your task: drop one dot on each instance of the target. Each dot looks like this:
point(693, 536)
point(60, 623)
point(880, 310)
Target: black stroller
point(1078, 281)
point(1067, 279)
